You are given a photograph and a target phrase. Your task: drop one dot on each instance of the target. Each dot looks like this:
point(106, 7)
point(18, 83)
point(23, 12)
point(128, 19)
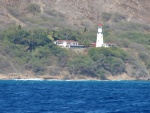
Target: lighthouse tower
point(99, 41)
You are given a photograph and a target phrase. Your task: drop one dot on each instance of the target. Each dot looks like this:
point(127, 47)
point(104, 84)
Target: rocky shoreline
point(42, 77)
point(48, 77)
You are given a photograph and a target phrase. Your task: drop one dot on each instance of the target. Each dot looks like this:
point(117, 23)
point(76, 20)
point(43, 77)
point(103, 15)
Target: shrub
point(111, 59)
point(33, 8)
point(80, 64)
point(116, 17)
point(148, 65)
point(106, 16)
point(38, 66)
point(117, 66)
point(101, 73)
point(144, 56)
point(4, 64)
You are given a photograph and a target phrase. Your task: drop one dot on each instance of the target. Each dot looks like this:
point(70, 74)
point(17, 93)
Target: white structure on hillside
point(66, 43)
point(99, 40)
point(75, 44)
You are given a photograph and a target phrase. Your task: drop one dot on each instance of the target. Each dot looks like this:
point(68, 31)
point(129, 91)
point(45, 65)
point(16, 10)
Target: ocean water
point(74, 96)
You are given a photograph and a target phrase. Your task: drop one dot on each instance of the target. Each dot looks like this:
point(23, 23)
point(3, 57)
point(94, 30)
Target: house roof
point(68, 41)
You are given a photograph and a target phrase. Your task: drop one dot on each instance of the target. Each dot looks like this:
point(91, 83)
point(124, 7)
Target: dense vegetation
point(33, 50)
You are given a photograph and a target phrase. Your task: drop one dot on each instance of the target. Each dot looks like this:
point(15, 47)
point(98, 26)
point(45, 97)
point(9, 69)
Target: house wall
point(65, 43)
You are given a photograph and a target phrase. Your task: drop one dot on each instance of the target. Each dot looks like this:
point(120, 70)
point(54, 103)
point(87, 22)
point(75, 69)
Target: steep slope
point(74, 13)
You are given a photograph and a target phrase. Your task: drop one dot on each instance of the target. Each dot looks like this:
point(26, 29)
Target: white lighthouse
point(99, 41)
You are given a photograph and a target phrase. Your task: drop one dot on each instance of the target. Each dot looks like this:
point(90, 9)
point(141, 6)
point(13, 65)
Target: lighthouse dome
point(100, 25)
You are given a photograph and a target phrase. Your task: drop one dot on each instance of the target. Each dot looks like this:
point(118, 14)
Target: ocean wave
point(32, 79)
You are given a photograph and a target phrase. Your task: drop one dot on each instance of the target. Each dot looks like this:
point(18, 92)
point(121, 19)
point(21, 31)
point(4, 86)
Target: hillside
point(73, 13)
point(28, 28)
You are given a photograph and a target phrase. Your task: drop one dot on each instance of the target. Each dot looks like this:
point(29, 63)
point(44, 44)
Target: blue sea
point(20, 96)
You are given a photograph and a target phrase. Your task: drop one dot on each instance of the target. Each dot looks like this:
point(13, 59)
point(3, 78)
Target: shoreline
point(122, 77)
point(67, 80)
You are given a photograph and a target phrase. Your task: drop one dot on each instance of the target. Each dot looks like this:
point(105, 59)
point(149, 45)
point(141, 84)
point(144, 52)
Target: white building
point(99, 40)
point(66, 43)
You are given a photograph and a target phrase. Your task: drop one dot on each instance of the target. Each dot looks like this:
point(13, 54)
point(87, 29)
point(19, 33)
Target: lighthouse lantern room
point(99, 41)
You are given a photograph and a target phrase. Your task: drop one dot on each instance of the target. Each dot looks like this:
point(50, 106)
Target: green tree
point(117, 66)
point(80, 65)
point(110, 59)
point(61, 53)
point(19, 27)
